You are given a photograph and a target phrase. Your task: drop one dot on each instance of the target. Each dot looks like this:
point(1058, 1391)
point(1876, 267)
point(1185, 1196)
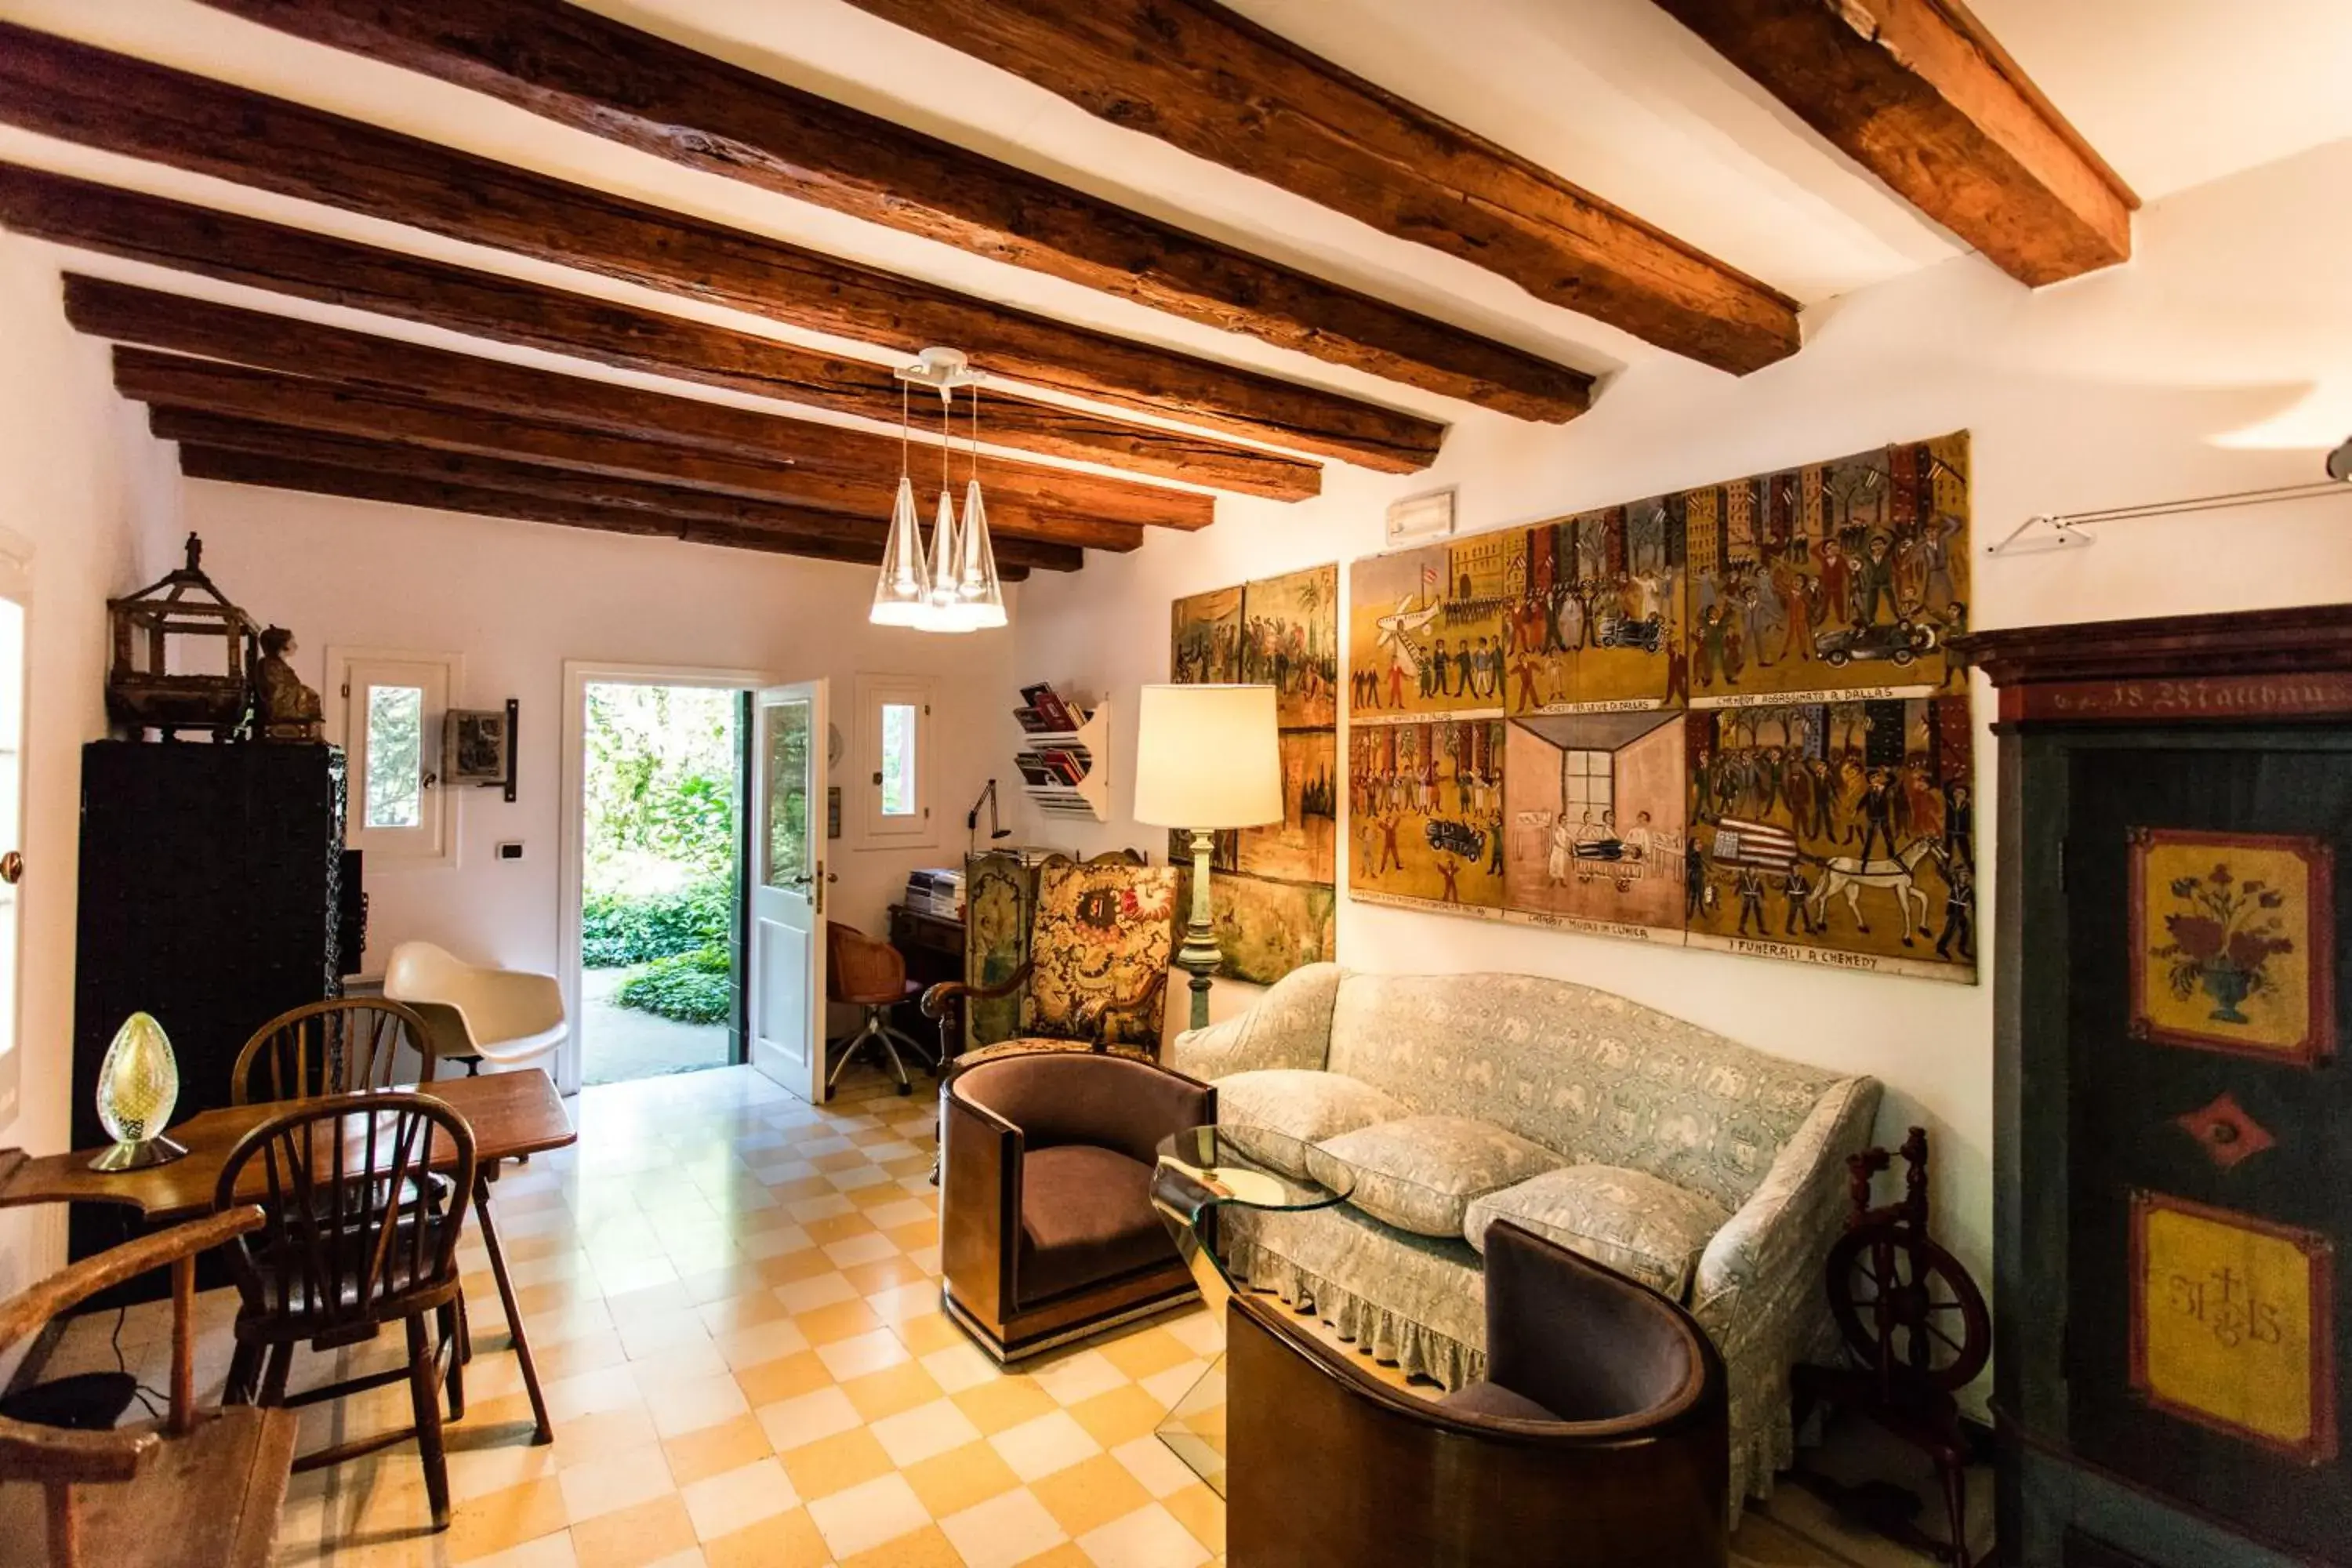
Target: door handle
point(12, 868)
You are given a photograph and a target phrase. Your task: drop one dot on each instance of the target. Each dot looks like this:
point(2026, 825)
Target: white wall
point(516, 600)
point(2219, 359)
point(80, 479)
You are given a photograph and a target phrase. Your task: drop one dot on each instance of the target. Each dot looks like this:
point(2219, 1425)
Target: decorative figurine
point(287, 710)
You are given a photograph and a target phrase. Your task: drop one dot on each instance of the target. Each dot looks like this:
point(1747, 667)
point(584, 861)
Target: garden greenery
point(691, 987)
point(659, 803)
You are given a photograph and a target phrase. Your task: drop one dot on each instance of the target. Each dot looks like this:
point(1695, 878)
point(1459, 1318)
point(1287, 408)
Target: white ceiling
point(1612, 93)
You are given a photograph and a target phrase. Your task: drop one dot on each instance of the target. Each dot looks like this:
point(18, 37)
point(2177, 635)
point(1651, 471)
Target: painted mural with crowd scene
point(1273, 897)
point(1726, 717)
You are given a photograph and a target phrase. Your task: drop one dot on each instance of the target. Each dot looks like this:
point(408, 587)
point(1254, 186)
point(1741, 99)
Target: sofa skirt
point(1411, 1299)
point(1420, 1303)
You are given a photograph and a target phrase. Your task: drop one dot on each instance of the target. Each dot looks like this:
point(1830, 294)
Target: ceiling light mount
point(942, 370)
point(956, 589)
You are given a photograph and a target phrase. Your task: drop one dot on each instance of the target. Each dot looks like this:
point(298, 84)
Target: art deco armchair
point(1599, 1440)
point(1083, 961)
point(1047, 1232)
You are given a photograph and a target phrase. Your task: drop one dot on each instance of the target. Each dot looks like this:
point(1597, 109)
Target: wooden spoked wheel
point(1903, 1303)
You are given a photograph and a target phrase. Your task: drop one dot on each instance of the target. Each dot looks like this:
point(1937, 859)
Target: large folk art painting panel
point(1272, 895)
point(1724, 717)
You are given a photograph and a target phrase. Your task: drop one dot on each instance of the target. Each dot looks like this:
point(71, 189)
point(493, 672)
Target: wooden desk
point(933, 947)
point(512, 1114)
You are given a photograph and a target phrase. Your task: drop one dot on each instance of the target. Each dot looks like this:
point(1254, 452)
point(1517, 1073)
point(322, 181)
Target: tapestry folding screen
point(1273, 892)
point(1722, 717)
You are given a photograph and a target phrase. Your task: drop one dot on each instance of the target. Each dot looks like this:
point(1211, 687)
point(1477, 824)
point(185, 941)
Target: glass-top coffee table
point(1201, 1171)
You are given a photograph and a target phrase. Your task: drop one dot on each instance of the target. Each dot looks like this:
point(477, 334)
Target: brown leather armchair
point(1601, 1438)
point(1048, 1230)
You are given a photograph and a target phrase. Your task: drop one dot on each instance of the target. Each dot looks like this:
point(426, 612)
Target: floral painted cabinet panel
point(2211, 1175)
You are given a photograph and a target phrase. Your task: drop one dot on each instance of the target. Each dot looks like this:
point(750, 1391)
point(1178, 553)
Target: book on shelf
point(1053, 766)
point(1058, 715)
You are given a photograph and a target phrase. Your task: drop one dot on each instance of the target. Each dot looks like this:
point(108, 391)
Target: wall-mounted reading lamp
point(971, 819)
point(2065, 528)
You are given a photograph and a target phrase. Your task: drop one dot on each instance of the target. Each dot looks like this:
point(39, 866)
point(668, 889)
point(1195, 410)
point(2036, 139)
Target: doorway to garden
point(660, 867)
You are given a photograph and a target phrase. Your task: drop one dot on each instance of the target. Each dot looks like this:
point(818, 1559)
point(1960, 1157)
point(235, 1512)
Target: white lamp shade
point(1207, 757)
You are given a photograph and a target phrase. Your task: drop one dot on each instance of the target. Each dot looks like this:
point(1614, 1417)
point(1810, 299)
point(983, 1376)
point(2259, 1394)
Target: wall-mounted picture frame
point(477, 747)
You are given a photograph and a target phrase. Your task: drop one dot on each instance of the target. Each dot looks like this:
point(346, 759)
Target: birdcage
point(181, 652)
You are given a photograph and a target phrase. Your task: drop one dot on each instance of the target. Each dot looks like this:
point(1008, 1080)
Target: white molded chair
point(505, 1017)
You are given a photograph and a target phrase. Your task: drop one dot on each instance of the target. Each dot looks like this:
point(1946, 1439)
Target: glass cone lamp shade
point(138, 1085)
point(946, 611)
point(980, 595)
point(902, 594)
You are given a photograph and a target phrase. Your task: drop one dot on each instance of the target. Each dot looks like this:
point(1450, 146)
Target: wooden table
point(933, 947)
point(512, 1114)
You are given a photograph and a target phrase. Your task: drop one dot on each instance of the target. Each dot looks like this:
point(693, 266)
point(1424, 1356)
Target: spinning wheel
point(1918, 1331)
point(1908, 1307)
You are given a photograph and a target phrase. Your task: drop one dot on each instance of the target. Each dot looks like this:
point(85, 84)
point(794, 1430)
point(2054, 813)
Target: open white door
point(786, 967)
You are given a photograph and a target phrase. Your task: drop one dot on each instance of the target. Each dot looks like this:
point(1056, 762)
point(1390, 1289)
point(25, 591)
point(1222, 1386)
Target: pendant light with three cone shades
point(954, 588)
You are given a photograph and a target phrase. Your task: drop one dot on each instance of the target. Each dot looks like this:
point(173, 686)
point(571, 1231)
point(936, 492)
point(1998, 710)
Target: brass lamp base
point(139, 1156)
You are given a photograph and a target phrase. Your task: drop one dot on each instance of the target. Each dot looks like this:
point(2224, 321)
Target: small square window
point(893, 799)
point(395, 756)
point(898, 720)
point(386, 708)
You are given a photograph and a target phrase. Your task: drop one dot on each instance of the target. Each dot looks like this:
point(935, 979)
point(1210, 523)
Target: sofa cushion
point(1086, 1217)
point(1420, 1172)
point(1629, 1220)
point(1308, 1106)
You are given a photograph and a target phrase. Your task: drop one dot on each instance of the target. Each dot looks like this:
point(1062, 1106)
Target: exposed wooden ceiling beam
point(485, 304)
point(122, 105)
point(1920, 94)
point(130, 314)
point(1202, 78)
point(597, 74)
point(360, 484)
point(668, 503)
point(291, 261)
point(145, 376)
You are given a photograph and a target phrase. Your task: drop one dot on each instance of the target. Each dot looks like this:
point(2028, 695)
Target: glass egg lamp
point(138, 1085)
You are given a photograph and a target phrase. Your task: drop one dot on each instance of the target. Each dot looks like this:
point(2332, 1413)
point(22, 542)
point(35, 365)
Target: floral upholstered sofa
point(1705, 1168)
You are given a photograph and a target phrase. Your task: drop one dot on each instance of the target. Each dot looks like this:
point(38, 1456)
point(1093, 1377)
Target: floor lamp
point(1206, 758)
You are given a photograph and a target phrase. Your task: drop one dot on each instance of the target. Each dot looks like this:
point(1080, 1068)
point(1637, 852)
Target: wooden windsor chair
point(202, 1488)
point(340, 1045)
point(358, 1235)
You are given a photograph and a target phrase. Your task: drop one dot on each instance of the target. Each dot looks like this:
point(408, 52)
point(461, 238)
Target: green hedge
point(616, 929)
point(696, 988)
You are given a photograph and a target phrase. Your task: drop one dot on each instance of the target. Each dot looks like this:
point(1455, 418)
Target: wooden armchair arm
point(1145, 1003)
point(937, 997)
point(53, 1454)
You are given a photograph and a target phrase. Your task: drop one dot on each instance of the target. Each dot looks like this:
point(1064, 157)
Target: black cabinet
point(210, 893)
point(2173, 1183)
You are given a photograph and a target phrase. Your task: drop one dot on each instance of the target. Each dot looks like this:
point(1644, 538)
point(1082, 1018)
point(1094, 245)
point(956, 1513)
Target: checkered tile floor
point(733, 1299)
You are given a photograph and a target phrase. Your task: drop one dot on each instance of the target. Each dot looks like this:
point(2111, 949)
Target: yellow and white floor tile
point(733, 1299)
